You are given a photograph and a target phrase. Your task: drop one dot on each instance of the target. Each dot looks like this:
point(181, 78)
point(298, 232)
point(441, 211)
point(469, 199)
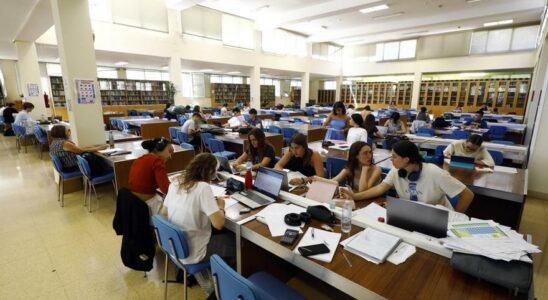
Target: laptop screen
point(462, 159)
point(413, 216)
point(268, 182)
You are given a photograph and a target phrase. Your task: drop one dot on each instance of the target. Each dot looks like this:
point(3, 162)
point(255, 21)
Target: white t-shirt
point(189, 124)
point(190, 212)
point(356, 134)
point(224, 111)
point(432, 186)
point(236, 121)
point(481, 154)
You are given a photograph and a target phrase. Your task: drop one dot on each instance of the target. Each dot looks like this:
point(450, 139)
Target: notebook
point(321, 190)
point(371, 244)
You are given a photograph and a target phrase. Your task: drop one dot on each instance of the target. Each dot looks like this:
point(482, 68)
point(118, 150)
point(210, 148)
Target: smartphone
point(313, 249)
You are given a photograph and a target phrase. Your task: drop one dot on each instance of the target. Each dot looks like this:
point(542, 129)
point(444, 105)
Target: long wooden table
point(151, 128)
point(122, 163)
point(313, 132)
point(238, 142)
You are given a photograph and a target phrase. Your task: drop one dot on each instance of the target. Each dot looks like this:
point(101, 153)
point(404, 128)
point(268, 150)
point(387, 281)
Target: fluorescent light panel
point(374, 8)
point(234, 72)
point(503, 22)
point(121, 63)
point(388, 16)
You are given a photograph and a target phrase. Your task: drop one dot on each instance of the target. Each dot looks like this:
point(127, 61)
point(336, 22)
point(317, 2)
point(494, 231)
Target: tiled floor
point(51, 252)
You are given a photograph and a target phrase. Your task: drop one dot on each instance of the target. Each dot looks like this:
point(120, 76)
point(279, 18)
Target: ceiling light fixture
point(374, 8)
point(121, 63)
point(388, 16)
point(207, 71)
point(234, 72)
point(165, 67)
point(415, 32)
point(503, 22)
point(472, 1)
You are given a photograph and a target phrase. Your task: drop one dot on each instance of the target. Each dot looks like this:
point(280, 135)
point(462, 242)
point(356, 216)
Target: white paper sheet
point(331, 240)
point(372, 211)
point(274, 214)
point(506, 170)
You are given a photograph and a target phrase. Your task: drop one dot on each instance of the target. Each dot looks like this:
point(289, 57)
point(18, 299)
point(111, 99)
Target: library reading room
point(261, 149)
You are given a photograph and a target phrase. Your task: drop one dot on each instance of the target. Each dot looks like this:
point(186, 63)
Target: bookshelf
point(268, 95)
point(119, 91)
point(507, 95)
point(295, 95)
point(230, 93)
point(378, 94)
point(326, 96)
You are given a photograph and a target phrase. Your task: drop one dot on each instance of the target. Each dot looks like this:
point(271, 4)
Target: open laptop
point(462, 162)
point(224, 165)
point(266, 189)
point(414, 216)
point(322, 190)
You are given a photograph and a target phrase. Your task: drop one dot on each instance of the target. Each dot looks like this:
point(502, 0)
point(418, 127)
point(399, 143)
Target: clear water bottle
point(346, 219)
point(111, 139)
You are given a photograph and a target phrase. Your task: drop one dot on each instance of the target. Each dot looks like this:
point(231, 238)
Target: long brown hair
point(353, 162)
point(257, 153)
point(301, 140)
point(201, 168)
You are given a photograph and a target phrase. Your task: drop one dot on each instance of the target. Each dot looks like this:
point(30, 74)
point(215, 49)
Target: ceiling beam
point(37, 21)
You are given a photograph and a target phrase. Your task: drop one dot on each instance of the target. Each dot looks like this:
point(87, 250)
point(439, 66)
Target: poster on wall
point(33, 90)
point(85, 91)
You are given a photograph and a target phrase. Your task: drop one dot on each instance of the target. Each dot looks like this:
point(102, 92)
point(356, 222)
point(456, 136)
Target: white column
point(10, 80)
point(416, 90)
point(176, 77)
point(305, 85)
point(75, 42)
point(29, 75)
point(255, 87)
point(338, 84)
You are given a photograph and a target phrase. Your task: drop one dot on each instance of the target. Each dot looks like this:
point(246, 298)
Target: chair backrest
point(173, 132)
point(216, 146)
point(229, 284)
point(502, 142)
point(448, 116)
point(334, 134)
point(284, 114)
point(454, 201)
point(440, 149)
point(461, 134)
point(370, 141)
point(113, 123)
point(423, 131)
point(181, 119)
point(274, 129)
point(497, 130)
point(83, 165)
point(322, 116)
point(334, 166)
point(206, 136)
point(497, 157)
point(298, 120)
point(57, 164)
point(316, 122)
point(417, 125)
point(40, 134)
point(288, 132)
point(170, 238)
point(18, 130)
point(187, 146)
point(246, 117)
point(182, 137)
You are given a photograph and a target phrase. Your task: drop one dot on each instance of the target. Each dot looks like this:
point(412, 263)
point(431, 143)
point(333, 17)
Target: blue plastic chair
point(132, 112)
point(21, 136)
point(182, 137)
point(274, 129)
point(284, 114)
point(298, 120)
point(181, 119)
point(440, 149)
point(449, 136)
point(113, 123)
point(246, 117)
point(172, 240)
point(448, 116)
point(502, 142)
point(467, 119)
point(370, 141)
point(90, 180)
point(173, 134)
point(288, 133)
point(316, 122)
point(335, 134)
point(322, 116)
point(42, 137)
point(217, 147)
point(461, 134)
point(497, 132)
point(63, 176)
point(206, 136)
point(261, 285)
point(334, 166)
point(497, 157)
point(187, 146)
point(423, 131)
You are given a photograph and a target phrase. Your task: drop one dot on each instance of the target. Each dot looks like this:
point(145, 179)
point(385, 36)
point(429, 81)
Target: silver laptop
point(266, 189)
point(224, 165)
point(413, 216)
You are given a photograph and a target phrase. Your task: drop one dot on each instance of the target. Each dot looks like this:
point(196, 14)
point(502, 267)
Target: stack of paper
point(330, 239)
point(489, 239)
point(373, 245)
point(454, 216)
point(273, 215)
point(372, 211)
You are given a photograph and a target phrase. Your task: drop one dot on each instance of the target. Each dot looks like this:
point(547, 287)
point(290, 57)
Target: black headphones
point(413, 176)
point(294, 219)
point(161, 144)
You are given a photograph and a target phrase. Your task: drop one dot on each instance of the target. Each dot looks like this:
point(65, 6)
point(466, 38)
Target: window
point(216, 79)
point(198, 85)
point(524, 38)
point(277, 89)
point(53, 69)
point(408, 48)
point(153, 75)
point(227, 79)
point(391, 51)
point(238, 80)
point(238, 32)
point(395, 50)
point(279, 41)
point(203, 22)
point(295, 83)
point(103, 72)
point(503, 40)
point(324, 51)
point(330, 85)
point(135, 74)
point(99, 10)
point(499, 40)
point(187, 85)
point(147, 14)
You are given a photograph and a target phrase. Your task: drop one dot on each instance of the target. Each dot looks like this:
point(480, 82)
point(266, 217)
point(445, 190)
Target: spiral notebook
point(371, 244)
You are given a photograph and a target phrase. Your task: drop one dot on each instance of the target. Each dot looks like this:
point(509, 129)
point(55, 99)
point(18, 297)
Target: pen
point(325, 243)
point(312, 231)
point(346, 258)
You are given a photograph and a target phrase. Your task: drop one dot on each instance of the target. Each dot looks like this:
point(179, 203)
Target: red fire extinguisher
point(46, 100)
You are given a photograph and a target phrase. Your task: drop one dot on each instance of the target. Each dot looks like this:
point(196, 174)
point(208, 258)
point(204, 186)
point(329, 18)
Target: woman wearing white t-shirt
point(191, 206)
point(418, 181)
point(356, 131)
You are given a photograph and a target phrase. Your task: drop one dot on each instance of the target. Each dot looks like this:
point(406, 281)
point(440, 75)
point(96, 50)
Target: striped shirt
point(68, 159)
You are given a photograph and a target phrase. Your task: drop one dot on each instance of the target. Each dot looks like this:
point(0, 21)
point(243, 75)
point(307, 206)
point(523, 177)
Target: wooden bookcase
point(119, 91)
point(326, 96)
point(378, 94)
point(295, 95)
point(268, 95)
point(507, 95)
point(229, 93)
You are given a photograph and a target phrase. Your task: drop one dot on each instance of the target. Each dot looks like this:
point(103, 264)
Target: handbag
point(233, 185)
point(321, 213)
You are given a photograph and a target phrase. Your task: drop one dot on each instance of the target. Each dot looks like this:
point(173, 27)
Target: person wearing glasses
point(148, 173)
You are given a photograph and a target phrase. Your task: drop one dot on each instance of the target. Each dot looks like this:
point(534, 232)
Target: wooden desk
point(107, 116)
point(313, 132)
point(218, 119)
point(237, 142)
point(122, 163)
point(118, 135)
point(151, 128)
point(379, 154)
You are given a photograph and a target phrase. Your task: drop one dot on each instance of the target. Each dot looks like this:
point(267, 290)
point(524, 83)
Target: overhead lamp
point(388, 16)
point(496, 23)
point(472, 1)
point(234, 72)
point(415, 32)
point(165, 67)
point(121, 63)
point(374, 8)
point(207, 71)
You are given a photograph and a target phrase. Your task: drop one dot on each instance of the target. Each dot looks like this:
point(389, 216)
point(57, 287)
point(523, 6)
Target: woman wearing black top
point(9, 119)
point(259, 152)
point(369, 125)
point(301, 159)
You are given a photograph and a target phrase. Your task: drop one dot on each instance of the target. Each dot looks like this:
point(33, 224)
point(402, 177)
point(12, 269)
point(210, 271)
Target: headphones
point(161, 144)
point(294, 219)
point(413, 176)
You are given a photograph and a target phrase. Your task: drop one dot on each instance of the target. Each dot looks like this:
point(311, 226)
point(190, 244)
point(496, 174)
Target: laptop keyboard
point(255, 197)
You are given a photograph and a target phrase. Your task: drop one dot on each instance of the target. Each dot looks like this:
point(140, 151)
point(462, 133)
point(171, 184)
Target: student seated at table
point(8, 113)
point(66, 150)
point(148, 173)
point(366, 111)
point(395, 125)
point(417, 181)
point(484, 108)
point(192, 128)
point(350, 110)
point(337, 119)
point(478, 121)
point(224, 110)
point(24, 119)
point(198, 109)
point(260, 152)
point(254, 120)
point(301, 159)
point(237, 119)
point(423, 115)
point(360, 173)
point(471, 147)
point(371, 127)
point(190, 205)
point(356, 131)
point(457, 109)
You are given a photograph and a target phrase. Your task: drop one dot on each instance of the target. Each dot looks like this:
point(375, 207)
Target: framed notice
point(33, 90)
point(85, 91)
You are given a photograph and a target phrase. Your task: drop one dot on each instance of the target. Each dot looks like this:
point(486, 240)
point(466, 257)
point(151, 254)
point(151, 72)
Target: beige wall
point(10, 79)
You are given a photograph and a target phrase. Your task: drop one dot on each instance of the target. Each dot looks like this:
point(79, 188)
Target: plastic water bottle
point(346, 219)
point(111, 139)
point(248, 176)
